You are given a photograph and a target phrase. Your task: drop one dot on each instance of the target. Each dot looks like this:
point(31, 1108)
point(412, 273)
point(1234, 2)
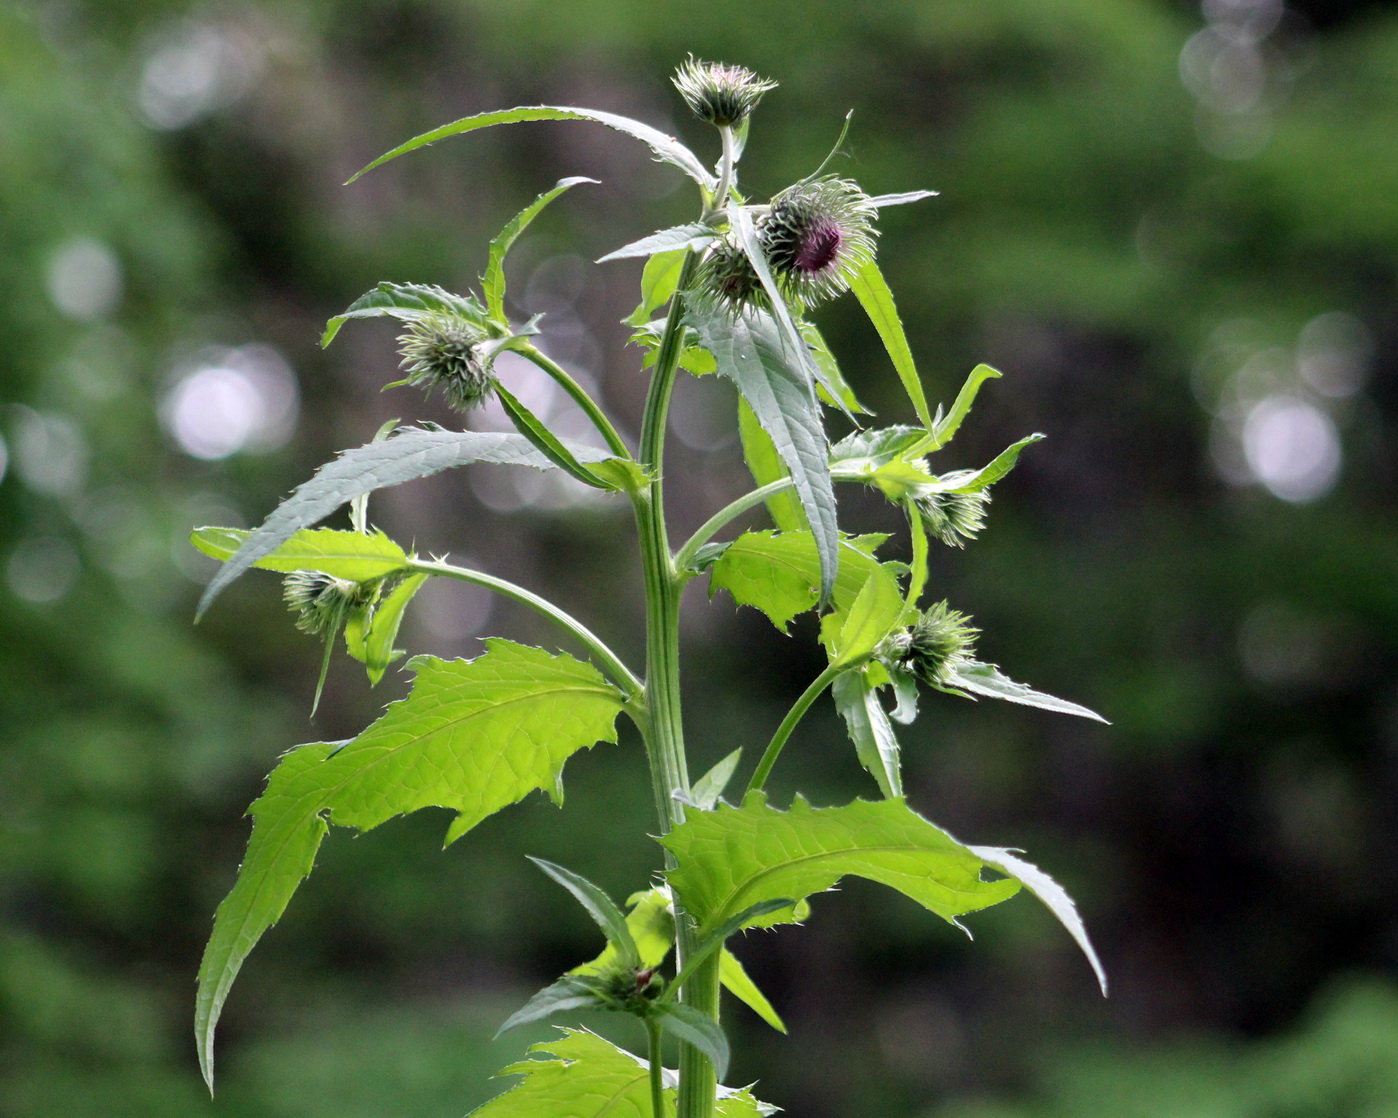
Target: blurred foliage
point(1149, 246)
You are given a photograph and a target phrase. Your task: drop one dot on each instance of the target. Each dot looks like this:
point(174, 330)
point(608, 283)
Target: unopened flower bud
point(934, 647)
point(323, 602)
point(718, 93)
point(953, 517)
point(440, 351)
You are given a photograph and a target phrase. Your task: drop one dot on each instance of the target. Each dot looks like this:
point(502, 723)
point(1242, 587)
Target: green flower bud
point(322, 601)
point(953, 517)
point(728, 279)
point(938, 642)
point(440, 351)
point(719, 93)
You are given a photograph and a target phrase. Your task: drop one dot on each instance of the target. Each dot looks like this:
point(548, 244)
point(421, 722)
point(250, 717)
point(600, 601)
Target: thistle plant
point(730, 293)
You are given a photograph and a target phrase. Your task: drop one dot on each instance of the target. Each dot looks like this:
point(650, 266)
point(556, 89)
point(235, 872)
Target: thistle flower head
point(718, 93)
point(816, 237)
point(727, 278)
point(953, 517)
point(323, 602)
point(934, 647)
point(440, 351)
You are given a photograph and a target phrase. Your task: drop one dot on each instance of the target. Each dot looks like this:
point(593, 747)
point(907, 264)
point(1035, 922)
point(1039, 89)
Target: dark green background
point(1118, 250)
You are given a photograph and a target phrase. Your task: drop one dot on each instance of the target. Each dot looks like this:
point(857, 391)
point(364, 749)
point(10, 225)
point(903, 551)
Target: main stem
point(669, 771)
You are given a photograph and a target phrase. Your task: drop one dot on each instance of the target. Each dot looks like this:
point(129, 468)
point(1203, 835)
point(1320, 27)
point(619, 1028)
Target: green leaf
point(383, 627)
point(881, 200)
point(942, 433)
point(832, 379)
point(708, 788)
point(569, 992)
point(473, 736)
point(778, 572)
point(493, 283)
point(652, 925)
point(589, 1077)
point(970, 481)
point(695, 1027)
point(666, 148)
point(715, 939)
point(860, 453)
point(694, 235)
point(749, 353)
point(987, 680)
point(407, 302)
point(1053, 896)
point(659, 279)
point(875, 743)
point(735, 978)
point(545, 441)
point(733, 857)
point(765, 465)
point(872, 291)
point(359, 507)
point(408, 455)
point(599, 906)
point(356, 556)
point(875, 610)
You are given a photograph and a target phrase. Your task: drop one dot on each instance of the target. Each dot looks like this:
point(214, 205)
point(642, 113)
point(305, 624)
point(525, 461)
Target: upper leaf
point(749, 352)
point(473, 736)
point(733, 857)
point(666, 148)
point(588, 1077)
point(493, 283)
point(875, 743)
point(987, 680)
point(881, 200)
point(766, 466)
point(693, 235)
point(410, 454)
point(872, 291)
point(599, 906)
point(407, 302)
point(356, 556)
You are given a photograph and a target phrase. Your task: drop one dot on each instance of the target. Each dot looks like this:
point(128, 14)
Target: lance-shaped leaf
point(750, 353)
point(588, 1077)
point(356, 556)
point(599, 906)
point(473, 736)
point(973, 481)
point(705, 791)
point(876, 609)
point(493, 282)
point(941, 434)
point(779, 572)
point(1052, 894)
point(834, 389)
point(568, 993)
point(408, 455)
point(407, 302)
point(693, 235)
point(882, 200)
point(666, 148)
point(384, 624)
point(695, 1027)
point(766, 466)
point(987, 680)
point(733, 857)
point(545, 441)
point(659, 279)
point(875, 743)
point(736, 981)
point(860, 453)
point(873, 293)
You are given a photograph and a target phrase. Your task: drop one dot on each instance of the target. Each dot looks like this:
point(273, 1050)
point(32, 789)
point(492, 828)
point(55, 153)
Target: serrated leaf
point(383, 627)
point(875, 743)
point(881, 200)
point(356, 556)
point(778, 572)
point(407, 302)
point(473, 737)
point(732, 857)
point(873, 293)
point(659, 280)
point(1052, 894)
point(408, 455)
point(545, 441)
point(599, 906)
point(972, 481)
point(567, 993)
point(749, 352)
point(860, 453)
point(692, 1026)
point(588, 1077)
point(708, 788)
point(942, 432)
point(493, 282)
point(666, 148)
point(988, 680)
point(694, 235)
point(765, 465)
point(735, 978)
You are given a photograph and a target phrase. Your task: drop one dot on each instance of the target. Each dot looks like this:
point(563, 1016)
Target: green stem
point(580, 397)
point(727, 163)
point(621, 675)
point(793, 716)
point(685, 556)
point(657, 1069)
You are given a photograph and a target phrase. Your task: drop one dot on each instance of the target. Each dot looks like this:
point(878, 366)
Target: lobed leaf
point(407, 302)
point(987, 680)
point(734, 857)
point(412, 453)
point(473, 736)
point(493, 283)
point(875, 743)
point(873, 293)
point(666, 148)
point(749, 352)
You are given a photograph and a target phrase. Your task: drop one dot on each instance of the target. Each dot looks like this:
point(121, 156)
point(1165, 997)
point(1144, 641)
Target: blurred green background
point(1174, 228)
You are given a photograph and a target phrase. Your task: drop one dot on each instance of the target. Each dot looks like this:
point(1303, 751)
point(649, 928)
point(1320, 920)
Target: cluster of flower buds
point(441, 351)
point(940, 641)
